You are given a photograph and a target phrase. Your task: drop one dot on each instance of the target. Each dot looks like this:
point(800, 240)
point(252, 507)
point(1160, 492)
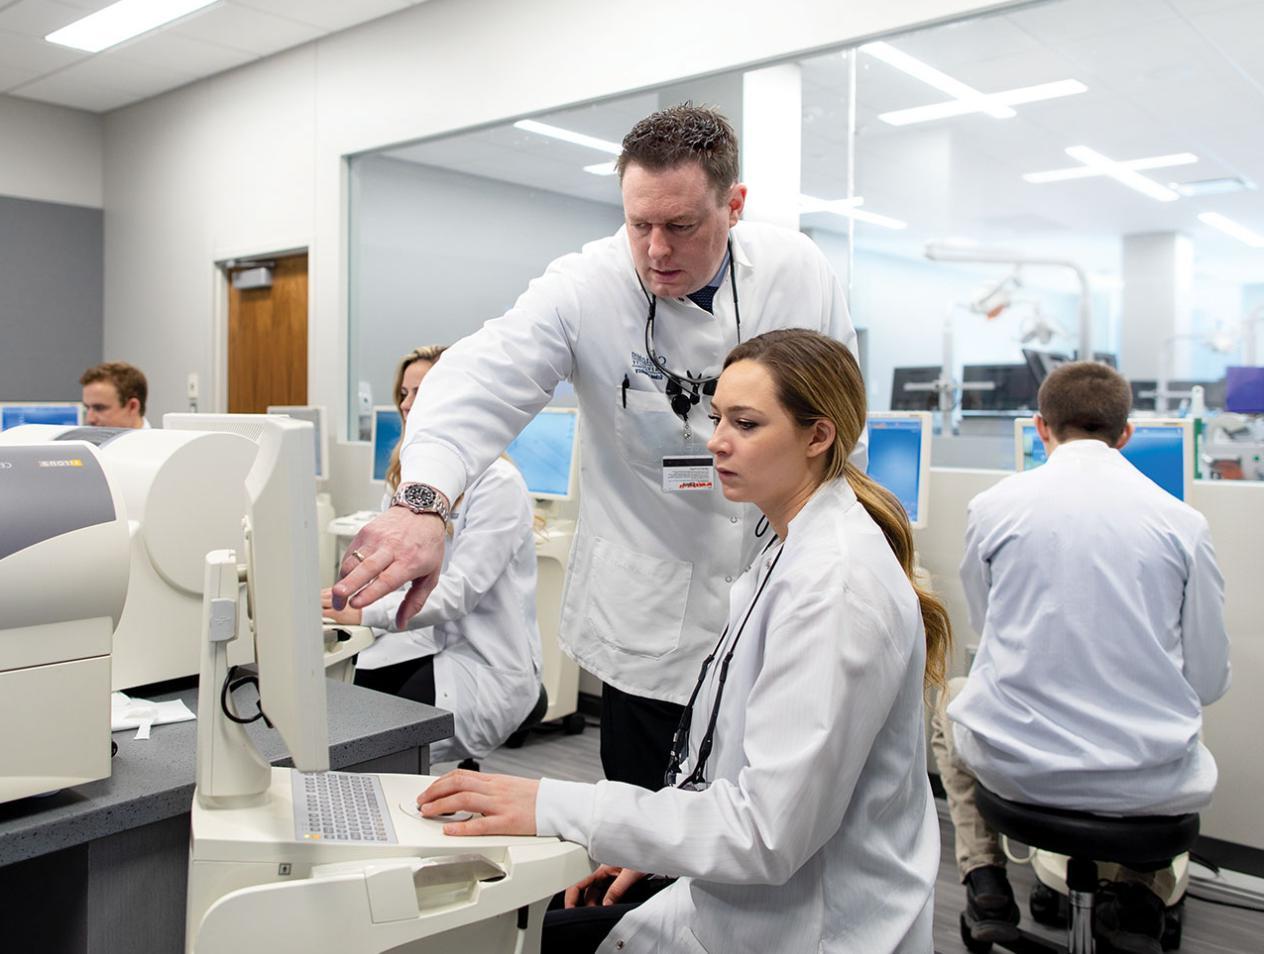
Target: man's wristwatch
point(422, 498)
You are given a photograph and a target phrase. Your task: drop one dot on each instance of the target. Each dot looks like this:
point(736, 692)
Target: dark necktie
point(703, 297)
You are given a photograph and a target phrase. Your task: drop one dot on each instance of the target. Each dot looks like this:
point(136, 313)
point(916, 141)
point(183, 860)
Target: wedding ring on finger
point(358, 555)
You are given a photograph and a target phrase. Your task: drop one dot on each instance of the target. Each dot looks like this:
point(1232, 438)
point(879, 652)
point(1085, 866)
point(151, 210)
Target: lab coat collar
point(1085, 447)
point(740, 258)
point(832, 493)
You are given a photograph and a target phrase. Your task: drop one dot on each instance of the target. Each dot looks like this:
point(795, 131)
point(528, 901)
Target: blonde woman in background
point(798, 815)
point(474, 648)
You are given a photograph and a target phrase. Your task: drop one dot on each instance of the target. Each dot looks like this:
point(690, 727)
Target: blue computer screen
point(387, 425)
point(895, 448)
point(1157, 450)
point(16, 414)
point(543, 452)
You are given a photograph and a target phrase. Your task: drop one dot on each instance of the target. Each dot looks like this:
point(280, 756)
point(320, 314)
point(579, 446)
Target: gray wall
point(51, 318)
point(435, 253)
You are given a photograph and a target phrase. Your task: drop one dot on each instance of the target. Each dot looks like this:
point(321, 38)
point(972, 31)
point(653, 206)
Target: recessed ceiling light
point(848, 209)
point(601, 169)
point(1121, 173)
point(966, 99)
point(1136, 165)
point(122, 21)
point(1222, 186)
point(1232, 228)
point(566, 135)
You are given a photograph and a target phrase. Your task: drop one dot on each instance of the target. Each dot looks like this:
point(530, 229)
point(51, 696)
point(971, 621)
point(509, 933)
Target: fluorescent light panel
point(1232, 228)
point(1136, 165)
point(848, 209)
point(566, 135)
point(122, 21)
point(1121, 174)
point(601, 168)
point(960, 107)
point(966, 99)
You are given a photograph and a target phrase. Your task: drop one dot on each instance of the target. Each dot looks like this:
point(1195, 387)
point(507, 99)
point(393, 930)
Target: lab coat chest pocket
point(687, 941)
point(636, 602)
point(646, 427)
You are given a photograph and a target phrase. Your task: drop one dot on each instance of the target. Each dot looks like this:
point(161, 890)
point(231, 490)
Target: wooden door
point(267, 340)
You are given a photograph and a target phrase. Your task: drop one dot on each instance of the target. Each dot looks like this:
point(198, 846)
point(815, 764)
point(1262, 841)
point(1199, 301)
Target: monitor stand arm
point(230, 771)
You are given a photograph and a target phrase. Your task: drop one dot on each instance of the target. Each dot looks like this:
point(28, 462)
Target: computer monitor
point(899, 458)
point(1143, 393)
point(1041, 363)
point(14, 413)
point(920, 399)
point(387, 428)
point(316, 415)
point(547, 452)
point(1013, 387)
point(283, 581)
point(1161, 448)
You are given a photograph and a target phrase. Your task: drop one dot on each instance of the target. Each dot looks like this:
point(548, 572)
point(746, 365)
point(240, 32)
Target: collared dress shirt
point(1101, 610)
point(650, 571)
point(816, 831)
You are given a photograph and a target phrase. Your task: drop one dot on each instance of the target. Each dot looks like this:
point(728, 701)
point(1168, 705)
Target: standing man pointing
point(640, 322)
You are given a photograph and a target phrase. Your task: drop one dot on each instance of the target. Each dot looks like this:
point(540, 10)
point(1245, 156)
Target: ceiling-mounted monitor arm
point(952, 253)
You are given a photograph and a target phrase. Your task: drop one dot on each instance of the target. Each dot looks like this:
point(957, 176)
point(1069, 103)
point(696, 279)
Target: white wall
point(252, 160)
point(435, 253)
point(50, 153)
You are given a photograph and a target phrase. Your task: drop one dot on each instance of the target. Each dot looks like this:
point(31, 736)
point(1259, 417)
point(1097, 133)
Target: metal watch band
point(422, 498)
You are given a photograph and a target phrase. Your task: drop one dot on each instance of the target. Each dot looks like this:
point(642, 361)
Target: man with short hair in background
point(114, 395)
point(1101, 613)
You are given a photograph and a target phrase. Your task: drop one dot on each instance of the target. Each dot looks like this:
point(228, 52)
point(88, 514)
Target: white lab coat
point(479, 622)
point(1101, 611)
point(649, 574)
point(817, 831)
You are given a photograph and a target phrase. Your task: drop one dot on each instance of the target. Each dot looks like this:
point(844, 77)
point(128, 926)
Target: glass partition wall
point(1068, 172)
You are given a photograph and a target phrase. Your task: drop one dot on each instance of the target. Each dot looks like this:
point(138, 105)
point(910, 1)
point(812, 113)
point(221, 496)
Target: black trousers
point(581, 930)
point(412, 679)
point(636, 737)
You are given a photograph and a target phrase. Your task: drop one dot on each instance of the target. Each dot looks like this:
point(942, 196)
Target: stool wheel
point(973, 946)
point(1047, 906)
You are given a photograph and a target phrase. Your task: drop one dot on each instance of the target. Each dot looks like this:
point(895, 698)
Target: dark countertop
point(153, 780)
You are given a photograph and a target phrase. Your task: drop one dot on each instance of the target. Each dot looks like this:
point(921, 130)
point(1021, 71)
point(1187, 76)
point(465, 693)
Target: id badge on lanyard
point(688, 466)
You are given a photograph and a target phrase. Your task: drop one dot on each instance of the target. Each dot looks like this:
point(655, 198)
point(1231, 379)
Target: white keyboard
point(340, 806)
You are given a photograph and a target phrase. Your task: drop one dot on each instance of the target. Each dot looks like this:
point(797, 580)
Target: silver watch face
point(420, 498)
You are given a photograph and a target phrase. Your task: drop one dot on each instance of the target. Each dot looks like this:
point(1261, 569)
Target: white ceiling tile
point(29, 53)
point(181, 54)
point(11, 77)
point(69, 91)
point(1071, 19)
point(329, 15)
point(116, 73)
point(38, 18)
point(244, 29)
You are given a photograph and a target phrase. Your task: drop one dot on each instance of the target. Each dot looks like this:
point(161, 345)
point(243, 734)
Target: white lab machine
point(306, 859)
point(184, 496)
point(63, 583)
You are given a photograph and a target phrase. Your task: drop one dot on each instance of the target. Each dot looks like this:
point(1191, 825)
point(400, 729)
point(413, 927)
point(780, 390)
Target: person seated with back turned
point(114, 395)
point(797, 812)
point(1101, 610)
point(474, 648)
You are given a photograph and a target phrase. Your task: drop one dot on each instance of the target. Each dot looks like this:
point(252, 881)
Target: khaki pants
point(975, 843)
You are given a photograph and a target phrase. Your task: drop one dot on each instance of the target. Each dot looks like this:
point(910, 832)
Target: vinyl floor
point(1209, 929)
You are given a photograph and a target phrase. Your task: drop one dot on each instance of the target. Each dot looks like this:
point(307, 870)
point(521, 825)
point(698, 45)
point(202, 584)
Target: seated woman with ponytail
point(798, 816)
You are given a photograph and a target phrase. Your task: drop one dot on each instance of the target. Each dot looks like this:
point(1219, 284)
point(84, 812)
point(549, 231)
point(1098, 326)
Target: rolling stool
point(1141, 842)
point(519, 735)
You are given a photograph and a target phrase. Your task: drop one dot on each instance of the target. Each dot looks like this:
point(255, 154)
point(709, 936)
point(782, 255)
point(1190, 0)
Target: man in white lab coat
point(640, 322)
point(1101, 610)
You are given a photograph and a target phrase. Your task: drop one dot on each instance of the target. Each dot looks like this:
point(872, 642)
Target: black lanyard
point(680, 741)
point(683, 389)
